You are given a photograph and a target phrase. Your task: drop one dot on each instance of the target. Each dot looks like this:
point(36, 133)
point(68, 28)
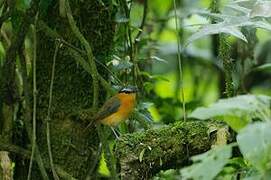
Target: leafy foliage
point(207, 165)
point(237, 111)
point(237, 14)
point(255, 144)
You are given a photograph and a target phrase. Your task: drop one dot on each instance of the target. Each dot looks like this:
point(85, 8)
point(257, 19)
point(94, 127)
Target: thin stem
point(83, 53)
point(179, 60)
point(145, 12)
point(34, 69)
point(94, 72)
point(49, 115)
point(49, 32)
point(94, 162)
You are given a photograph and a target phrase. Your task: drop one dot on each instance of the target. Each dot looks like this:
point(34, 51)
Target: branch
point(143, 154)
point(145, 12)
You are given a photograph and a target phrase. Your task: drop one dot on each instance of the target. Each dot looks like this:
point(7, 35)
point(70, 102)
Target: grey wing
point(111, 106)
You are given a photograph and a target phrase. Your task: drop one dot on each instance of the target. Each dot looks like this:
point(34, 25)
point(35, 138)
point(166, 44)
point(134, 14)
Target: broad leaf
point(261, 8)
point(236, 14)
point(216, 29)
point(236, 111)
point(206, 166)
point(255, 144)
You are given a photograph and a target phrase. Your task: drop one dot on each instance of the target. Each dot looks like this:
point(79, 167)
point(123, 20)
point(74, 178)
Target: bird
point(116, 109)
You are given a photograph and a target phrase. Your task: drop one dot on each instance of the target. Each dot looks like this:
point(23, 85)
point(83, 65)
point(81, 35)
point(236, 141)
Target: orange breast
point(126, 107)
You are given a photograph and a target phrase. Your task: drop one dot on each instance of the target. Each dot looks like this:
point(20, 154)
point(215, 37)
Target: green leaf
point(262, 9)
point(216, 29)
point(159, 59)
point(264, 67)
point(141, 155)
point(237, 14)
point(236, 111)
point(206, 166)
point(255, 144)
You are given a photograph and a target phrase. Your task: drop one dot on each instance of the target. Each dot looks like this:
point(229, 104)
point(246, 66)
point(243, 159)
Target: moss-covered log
point(143, 154)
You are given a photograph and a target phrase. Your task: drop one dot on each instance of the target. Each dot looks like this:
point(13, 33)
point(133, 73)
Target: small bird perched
point(117, 108)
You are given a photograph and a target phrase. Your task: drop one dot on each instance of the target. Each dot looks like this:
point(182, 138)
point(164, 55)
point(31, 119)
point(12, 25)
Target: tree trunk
point(72, 149)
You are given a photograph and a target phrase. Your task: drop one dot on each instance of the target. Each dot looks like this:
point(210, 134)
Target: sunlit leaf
point(141, 155)
point(255, 144)
point(103, 169)
point(237, 110)
point(159, 59)
point(261, 24)
point(261, 8)
point(264, 67)
point(206, 166)
point(216, 29)
point(238, 8)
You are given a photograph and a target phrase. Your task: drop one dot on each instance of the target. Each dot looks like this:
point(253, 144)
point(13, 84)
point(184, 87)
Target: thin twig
point(128, 36)
point(50, 33)
point(80, 60)
point(145, 12)
point(97, 61)
point(94, 162)
point(137, 39)
point(94, 72)
point(34, 134)
point(27, 113)
point(48, 119)
point(179, 59)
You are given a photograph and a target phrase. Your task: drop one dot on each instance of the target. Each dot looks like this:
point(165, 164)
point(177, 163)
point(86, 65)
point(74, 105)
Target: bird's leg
point(115, 133)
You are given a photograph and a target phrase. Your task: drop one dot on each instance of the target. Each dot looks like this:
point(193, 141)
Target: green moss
point(72, 91)
point(143, 154)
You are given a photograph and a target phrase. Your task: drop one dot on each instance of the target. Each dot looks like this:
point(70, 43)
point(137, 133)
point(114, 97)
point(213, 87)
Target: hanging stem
point(94, 72)
point(34, 134)
point(48, 118)
point(145, 12)
point(179, 60)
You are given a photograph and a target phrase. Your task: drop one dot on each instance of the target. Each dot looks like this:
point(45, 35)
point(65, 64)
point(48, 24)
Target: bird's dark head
point(128, 90)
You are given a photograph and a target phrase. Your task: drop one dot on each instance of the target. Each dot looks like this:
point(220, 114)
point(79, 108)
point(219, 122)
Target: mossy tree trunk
point(72, 149)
